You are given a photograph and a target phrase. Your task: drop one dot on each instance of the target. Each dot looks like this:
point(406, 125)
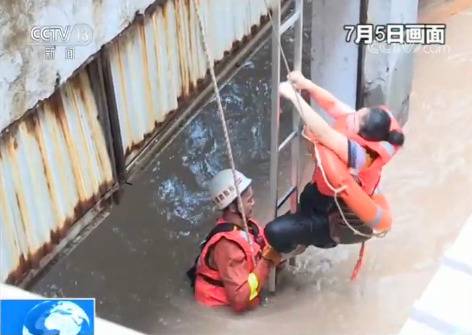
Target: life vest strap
point(360, 262)
point(211, 281)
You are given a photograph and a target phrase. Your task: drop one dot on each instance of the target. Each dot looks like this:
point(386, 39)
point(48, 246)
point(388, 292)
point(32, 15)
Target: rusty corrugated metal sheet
point(161, 59)
point(54, 165)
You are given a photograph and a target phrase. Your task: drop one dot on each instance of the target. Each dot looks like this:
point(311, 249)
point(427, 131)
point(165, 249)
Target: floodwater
point(134, 262)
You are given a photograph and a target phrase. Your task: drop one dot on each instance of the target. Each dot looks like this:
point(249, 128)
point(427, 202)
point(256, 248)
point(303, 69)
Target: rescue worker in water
point(229, 270)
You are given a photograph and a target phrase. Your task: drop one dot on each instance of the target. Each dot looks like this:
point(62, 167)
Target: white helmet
point(222, 188)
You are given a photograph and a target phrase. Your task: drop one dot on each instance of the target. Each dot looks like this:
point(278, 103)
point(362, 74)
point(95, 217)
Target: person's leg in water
point(309, 226)
point(286, 232)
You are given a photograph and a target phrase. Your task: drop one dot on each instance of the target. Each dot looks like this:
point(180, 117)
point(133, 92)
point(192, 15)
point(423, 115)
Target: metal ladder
point(279, 28)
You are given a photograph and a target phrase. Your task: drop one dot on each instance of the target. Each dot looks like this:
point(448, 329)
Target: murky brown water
point(134, 263)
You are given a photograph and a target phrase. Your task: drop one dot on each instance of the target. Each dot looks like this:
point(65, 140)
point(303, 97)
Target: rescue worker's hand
point(271, 255)
point(287, 91)
point(298, 80)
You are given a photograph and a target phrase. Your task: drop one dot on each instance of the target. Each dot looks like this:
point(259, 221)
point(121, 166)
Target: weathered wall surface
point(388, 70)
point(334, 61)
point(161, 60)
point(54, 165)
point(25, 75)
point(60, 160)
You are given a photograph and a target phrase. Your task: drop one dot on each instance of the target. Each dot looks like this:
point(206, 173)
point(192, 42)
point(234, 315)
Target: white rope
point(336, 199)
point(318, 158)
point(223, 122)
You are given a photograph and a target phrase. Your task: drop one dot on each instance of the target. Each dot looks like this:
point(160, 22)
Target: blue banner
point(47, 317)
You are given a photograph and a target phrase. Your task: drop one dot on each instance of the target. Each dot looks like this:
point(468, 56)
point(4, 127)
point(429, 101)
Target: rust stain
point(184, 99)
point(147, 80)
point(52, 106)
point(32, 260)
point(53, 120)
point(74, 156)
point(157, 37)
point(12, 146)
point(91, 109)
point(38, 133)
point(168, 40)
point(121, 48)
point(30, 124)
point(20, 271)
point(192, 47)
point(180, 23)
point(81, 139)
point(76, 84)
point(21, 208)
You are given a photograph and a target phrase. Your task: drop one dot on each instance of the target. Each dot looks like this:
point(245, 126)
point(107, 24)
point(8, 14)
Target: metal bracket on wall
point(364, 6)
point(119, 160)
point(105, 111)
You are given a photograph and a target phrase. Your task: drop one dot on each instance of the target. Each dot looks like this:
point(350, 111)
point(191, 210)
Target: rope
point(228, 143)
point(336, 191)
point(318, 158)
point(223, 122)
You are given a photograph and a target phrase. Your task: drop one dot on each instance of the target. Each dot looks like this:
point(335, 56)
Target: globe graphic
point(57, 318)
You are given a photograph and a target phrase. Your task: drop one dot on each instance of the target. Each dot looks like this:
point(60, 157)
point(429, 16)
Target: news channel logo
point(47, 316)
point(80, 34)
point(61, 39)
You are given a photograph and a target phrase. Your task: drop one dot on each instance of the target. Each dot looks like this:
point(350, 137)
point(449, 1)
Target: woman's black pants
point(308, 226)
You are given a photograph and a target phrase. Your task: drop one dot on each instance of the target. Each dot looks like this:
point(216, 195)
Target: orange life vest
point(209, 289)
point(359, 193)
point(369, 176)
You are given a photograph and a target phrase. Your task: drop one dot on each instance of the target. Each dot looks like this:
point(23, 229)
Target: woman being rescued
point(353, 152)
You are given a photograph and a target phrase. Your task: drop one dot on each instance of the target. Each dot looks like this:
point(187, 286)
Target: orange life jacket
point(372, 209)
point(369, 176)
point(209, 289)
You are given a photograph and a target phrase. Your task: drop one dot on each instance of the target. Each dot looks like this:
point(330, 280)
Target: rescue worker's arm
point(324, 133)
point(241, 286)
point(322, 97)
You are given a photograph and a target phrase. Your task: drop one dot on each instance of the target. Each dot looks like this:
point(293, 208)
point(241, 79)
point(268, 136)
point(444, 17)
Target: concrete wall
point(58, 162)
point(334, 61)
point(25, 75)
point(388, 70)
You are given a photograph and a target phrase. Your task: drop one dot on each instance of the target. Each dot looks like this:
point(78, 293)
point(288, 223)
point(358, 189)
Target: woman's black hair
point(395, 137)
point(376, 127)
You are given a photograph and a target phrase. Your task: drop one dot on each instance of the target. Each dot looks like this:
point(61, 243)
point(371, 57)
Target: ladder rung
point(290, 137)
point(289, 22)
point(285, 197)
